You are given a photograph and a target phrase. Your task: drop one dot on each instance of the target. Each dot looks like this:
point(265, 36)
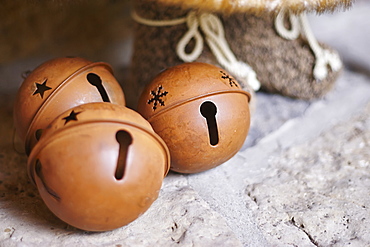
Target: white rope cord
point(215, 36)
point(213, 30)
point(294, 31)
point(193, 32)
point(324, 58)
point(157, 23)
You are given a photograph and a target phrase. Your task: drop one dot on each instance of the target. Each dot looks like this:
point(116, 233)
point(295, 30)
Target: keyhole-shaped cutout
point(124, 139)
point(208, 111)
point(96, 81)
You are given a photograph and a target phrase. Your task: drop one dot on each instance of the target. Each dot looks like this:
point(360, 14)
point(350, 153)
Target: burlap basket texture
point(282, 66)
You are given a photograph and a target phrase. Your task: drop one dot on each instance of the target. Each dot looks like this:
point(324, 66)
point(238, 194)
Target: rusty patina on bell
point(201, 113)
point(57, 85)
point(99, 166)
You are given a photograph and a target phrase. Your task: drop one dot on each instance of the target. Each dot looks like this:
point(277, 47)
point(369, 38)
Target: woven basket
point(282, 66)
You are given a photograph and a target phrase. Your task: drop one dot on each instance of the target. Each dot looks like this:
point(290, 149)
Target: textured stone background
point(301, 179)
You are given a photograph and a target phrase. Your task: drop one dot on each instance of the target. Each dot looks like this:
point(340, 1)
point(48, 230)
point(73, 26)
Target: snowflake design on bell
point(157, 97)
point(229, 78)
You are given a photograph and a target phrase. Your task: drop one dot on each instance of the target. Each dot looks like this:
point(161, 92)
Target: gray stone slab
point(317, 193)
point(272, 111)
point(179, 216)
point(231, 181)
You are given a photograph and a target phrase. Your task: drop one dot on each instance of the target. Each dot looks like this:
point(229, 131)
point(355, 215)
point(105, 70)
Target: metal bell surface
point(57, 85)
point(99, 166)
point(200, 111)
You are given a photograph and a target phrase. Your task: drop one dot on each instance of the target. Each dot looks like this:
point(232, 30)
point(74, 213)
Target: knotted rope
point(300, 25)
point(214, 33)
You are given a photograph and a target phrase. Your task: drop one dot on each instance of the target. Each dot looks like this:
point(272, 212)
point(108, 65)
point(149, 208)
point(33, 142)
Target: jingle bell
point(99, 166)
point(201, 113)
point(57, 85)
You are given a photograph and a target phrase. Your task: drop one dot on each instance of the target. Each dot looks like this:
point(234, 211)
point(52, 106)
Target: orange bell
point(58, 85)
point(99, 166)
point(201, 113)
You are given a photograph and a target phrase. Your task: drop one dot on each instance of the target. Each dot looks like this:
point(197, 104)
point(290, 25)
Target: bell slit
point(208, 110)
point(124, 139)
point(96, 81)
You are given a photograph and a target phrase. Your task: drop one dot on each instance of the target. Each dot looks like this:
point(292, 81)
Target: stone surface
point(252, 165)
point(178, 216)
point(317, 193)
point(302, 177)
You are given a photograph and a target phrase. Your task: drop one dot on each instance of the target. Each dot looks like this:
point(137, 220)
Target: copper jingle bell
point(200, 111)
point(58, 85)
point(99, 166)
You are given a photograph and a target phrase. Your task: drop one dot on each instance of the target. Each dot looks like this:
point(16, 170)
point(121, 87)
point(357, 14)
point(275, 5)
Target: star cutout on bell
point(41, 88)
point(72, 117)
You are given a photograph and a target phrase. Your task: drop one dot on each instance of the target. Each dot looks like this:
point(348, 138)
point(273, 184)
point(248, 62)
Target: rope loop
point(215, 36)
point(324, 58)
point(193, 32)
point(294, 31)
